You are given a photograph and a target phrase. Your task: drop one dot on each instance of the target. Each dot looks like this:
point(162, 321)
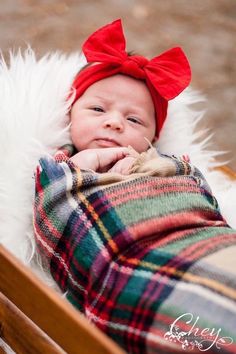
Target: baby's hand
point(99, 160)
point(123, 166)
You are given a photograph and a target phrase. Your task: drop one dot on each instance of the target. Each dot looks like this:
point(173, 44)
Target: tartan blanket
point(132, 253)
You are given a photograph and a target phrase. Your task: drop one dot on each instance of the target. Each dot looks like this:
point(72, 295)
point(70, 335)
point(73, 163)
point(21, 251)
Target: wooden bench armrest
point(21, 288)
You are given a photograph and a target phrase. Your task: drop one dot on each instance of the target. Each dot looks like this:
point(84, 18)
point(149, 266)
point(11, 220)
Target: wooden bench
point(35, 319)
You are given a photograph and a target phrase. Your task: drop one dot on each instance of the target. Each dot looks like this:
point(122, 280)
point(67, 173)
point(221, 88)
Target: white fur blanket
point(34, 122)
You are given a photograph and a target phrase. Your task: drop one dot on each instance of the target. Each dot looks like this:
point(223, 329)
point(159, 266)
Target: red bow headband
point(166, 75)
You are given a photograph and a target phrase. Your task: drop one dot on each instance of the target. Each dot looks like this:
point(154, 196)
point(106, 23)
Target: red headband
point(166, 76)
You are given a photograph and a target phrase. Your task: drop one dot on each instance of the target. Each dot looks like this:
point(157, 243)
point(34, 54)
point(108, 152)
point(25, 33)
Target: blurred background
point(206, 29)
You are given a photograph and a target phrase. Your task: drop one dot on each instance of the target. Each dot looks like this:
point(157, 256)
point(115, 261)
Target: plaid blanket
point(133, 254)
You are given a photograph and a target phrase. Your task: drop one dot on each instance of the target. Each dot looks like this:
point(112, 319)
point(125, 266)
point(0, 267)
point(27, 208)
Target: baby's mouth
point(107, 142)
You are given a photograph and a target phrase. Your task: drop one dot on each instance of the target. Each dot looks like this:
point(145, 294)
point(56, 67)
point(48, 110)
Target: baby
point(121, 102)
point(131, 236)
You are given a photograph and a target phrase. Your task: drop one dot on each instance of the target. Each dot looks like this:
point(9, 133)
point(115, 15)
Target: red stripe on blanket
point(203, 247)
point(170, 223)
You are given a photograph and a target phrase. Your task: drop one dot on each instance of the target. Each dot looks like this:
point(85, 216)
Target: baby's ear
point(69, 113)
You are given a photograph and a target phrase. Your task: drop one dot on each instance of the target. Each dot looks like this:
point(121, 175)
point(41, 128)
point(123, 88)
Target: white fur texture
point(34, 122)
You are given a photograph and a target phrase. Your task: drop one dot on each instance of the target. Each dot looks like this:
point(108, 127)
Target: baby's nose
point(114, 121)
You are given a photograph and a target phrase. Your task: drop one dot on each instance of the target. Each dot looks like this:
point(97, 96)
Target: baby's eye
point(134, 120)
point(97, 109)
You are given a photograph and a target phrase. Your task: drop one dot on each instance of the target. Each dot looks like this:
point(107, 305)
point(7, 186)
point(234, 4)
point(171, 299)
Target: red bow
point(169, 72)
point(166, 76)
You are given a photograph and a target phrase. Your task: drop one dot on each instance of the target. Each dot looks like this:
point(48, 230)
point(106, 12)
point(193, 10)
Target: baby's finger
point(110, 156)
point(123, 166)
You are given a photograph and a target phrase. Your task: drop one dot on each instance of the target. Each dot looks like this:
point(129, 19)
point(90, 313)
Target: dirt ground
point(206, 29)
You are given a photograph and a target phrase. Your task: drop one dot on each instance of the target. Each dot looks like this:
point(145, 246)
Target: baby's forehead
point(118, 85)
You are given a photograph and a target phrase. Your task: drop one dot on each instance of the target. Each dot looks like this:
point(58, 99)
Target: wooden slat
point(49, 311)
point(2, 351)
point(21, 334)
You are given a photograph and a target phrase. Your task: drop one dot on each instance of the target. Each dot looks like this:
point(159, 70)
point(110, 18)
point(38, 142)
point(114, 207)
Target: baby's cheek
point(77, 136)
point(141, 145)
point(74, 135)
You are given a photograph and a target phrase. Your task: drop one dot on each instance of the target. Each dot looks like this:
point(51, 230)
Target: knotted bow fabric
point(166, 75)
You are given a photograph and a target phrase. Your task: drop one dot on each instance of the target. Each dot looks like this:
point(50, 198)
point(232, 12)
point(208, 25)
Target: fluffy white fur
point(34, 122)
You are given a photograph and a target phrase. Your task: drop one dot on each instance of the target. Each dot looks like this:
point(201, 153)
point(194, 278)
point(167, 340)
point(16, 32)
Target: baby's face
point(116, 111)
